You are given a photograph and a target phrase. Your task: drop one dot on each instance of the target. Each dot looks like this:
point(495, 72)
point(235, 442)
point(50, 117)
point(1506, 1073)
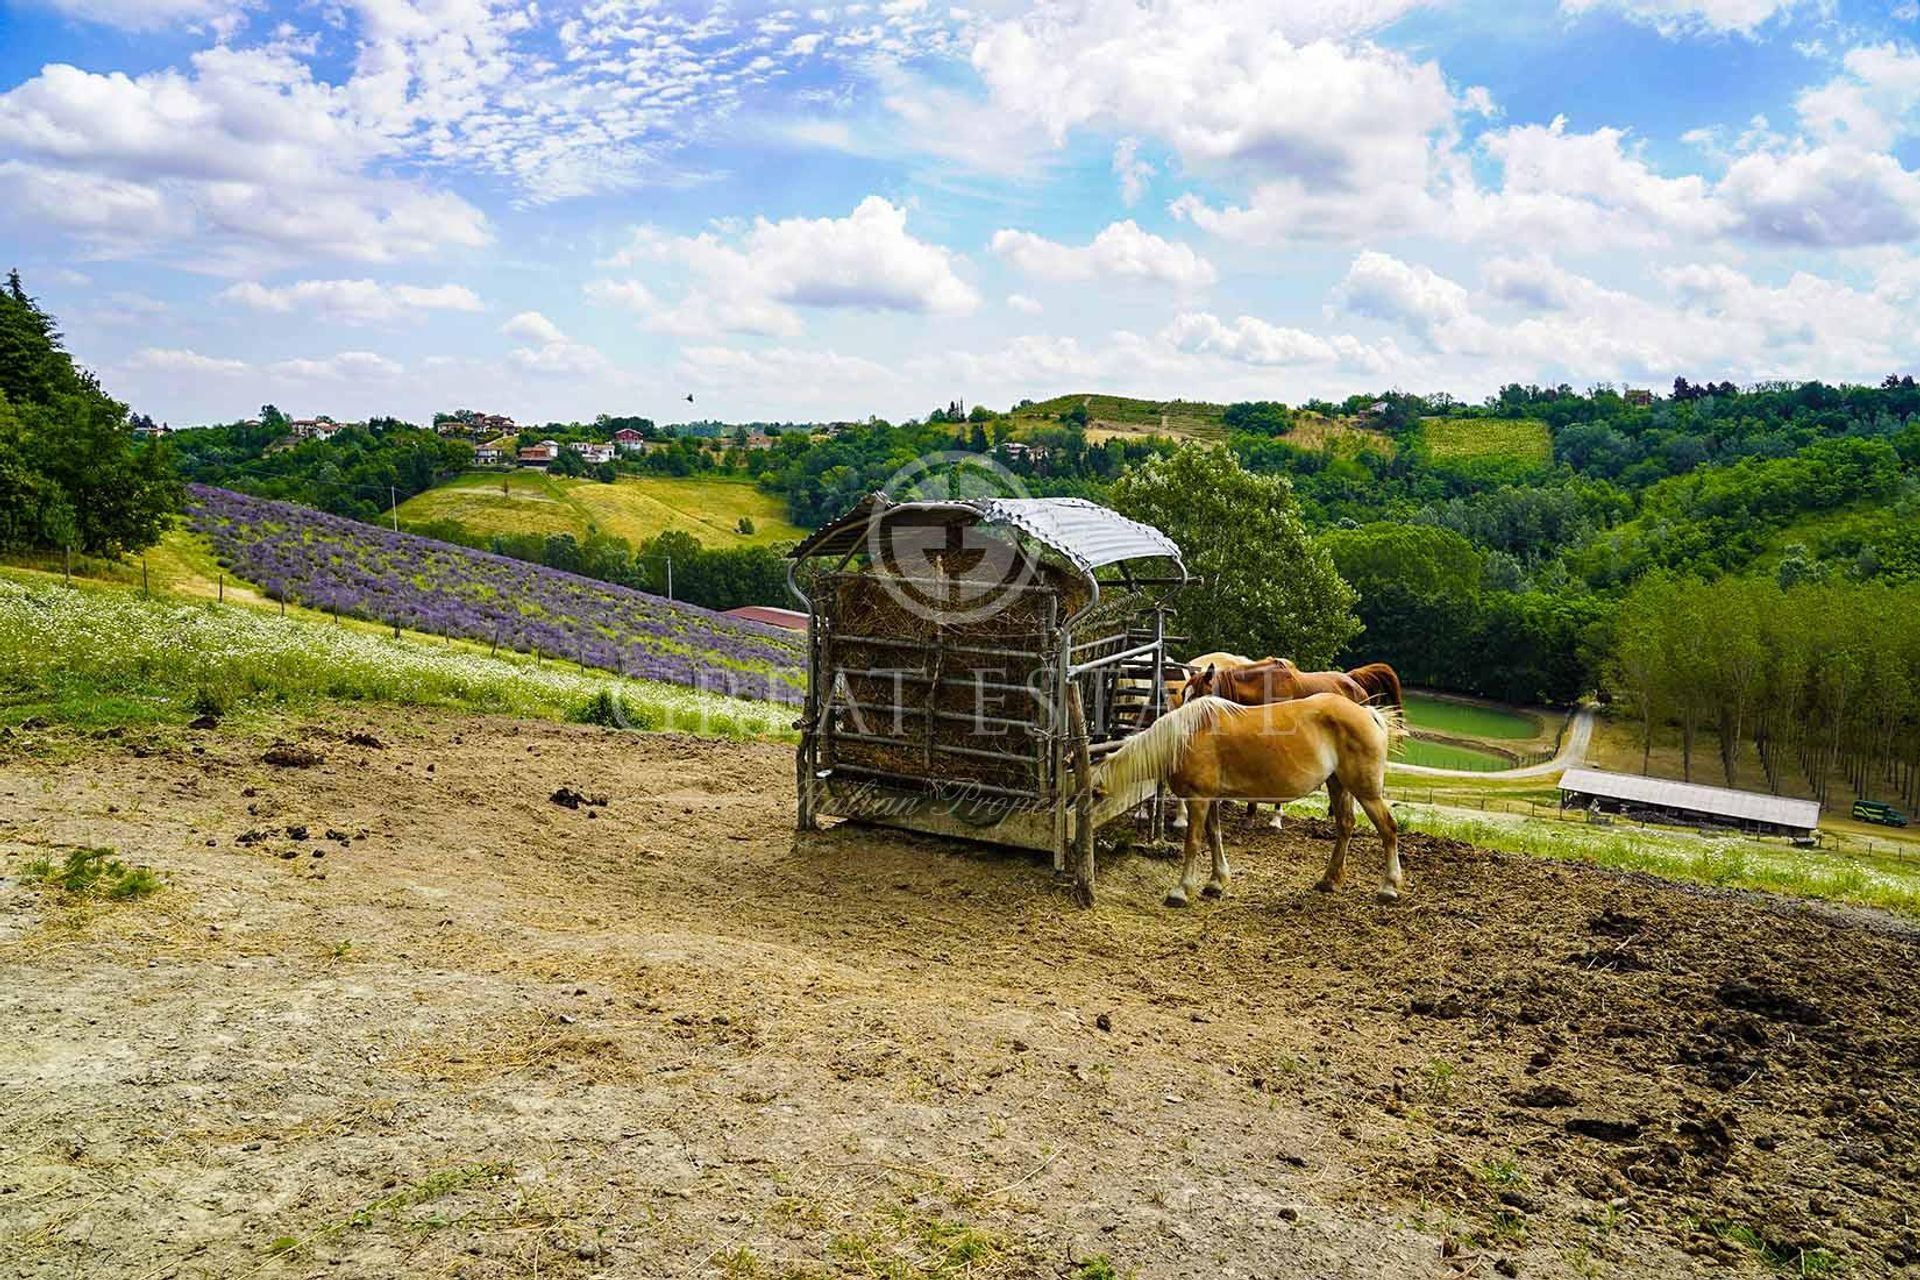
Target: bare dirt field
point(398, 1013)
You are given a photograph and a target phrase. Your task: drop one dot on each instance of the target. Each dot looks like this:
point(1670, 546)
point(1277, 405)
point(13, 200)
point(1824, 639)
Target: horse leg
point(1198, 812)
point(1380, 813)
point(1216, 838)
point(1340, 806)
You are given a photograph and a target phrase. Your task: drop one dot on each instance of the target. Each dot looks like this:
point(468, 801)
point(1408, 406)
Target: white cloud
point(1133, 172)
point(749, 280)
point(1383, 287)
point(347, 366)
point(1022, 303)
point(184, 360)
point(1120, 251)
point(548, 350)
point(1823, 197)
point(249, 155)
point(1870, 103)
point(1681, 17)
point(352, 301)
point(1250, 340)
point(1333, 131)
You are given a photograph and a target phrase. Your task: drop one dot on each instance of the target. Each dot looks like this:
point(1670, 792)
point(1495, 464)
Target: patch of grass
point(1501, 1172)
point(1449, 755)
point(1470, 439)
point(1469, 720)
point(432, 1187)
point(1098, 1267)
point(1440, 1076)
point(93, 873)
point(1793, 1259)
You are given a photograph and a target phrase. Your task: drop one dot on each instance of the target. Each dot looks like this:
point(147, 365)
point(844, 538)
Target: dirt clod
point(288, 755)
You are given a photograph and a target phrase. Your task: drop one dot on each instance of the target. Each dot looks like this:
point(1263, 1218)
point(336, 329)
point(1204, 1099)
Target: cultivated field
point(634, 507)
point(1341, 436)
point(1521, 439)
point(398, 1013)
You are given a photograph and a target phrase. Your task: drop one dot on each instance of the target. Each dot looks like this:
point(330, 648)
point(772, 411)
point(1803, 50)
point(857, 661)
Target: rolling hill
point(1109, 416)
point(634, 507)
point(1468, 439)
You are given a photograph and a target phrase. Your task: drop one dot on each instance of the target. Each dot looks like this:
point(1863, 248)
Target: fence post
point(143, 577)
point(223, 588)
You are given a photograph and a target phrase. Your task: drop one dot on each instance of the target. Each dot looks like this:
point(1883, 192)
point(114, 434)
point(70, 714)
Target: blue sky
point(560, 208)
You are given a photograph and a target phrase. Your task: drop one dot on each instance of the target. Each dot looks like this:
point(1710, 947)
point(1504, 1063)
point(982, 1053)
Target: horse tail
point(1381, 682)
point(1392, 720)
point(1156, 751)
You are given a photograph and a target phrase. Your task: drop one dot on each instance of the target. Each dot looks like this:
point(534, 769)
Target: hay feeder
point(969, 660)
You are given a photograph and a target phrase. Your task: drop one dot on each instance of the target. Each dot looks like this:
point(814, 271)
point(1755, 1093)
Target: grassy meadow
point(633, 507)
point(1469, 439)
point(1459, 719)
point(95, 656)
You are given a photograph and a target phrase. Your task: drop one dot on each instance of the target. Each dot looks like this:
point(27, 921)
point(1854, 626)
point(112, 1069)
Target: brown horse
point(1270, 680)
point(1209, 749)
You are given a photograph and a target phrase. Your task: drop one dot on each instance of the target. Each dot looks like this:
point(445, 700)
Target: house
point(1638, 395)
point(791, 619)
point(592, 452)
point(627, 440)
point(494, 451)
point(1024, 452)
point(1377, 408)
point(539, 455)
point(758, 440)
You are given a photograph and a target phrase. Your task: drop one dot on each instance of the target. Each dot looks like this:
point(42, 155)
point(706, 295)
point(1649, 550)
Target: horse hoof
point(1387, 897)
point(1325, 886)
point(1174, 900)
point(1211, 891)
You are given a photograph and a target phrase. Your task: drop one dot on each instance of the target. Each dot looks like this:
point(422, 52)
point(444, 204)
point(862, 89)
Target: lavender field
point(307, 557)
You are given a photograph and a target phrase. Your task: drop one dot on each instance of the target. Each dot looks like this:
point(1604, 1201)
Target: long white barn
point(1688, 801)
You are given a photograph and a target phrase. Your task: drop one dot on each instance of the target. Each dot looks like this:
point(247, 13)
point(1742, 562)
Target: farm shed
point(968, 660)
point(1664, 800)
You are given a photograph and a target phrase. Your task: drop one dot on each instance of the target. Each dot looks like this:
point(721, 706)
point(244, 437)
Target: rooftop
point(1721, 802)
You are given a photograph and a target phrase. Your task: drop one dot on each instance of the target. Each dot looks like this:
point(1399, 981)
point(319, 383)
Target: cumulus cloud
point(1133, 172)
point(749, 280)
point(1021, 302)
point(1250, 340)
point(1383, 287)
point(547, 350)
point(1331, 129)
point(1823, 197)
point(1121, 251)
point(351, 301)
point(248, 152)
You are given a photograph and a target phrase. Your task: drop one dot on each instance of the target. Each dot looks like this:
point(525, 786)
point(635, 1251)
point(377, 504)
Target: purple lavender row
point(327, 562)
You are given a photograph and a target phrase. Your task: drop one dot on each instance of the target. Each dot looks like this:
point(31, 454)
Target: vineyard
point(354, 570)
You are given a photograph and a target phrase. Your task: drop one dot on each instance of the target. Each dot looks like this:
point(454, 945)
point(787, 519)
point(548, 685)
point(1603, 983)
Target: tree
point(73, 473)
point(1269, 588)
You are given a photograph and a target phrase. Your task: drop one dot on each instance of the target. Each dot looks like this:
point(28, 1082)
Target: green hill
point(1109, 416)
point(634, 507)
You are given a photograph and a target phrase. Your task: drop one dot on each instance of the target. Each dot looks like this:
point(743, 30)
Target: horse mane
point(1156, 751)
point(1380, 681)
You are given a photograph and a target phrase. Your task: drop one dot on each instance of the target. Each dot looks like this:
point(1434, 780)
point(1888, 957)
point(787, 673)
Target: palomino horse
point(1253, 684)
point(1209, 749)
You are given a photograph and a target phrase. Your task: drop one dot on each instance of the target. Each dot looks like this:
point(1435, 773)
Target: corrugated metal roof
point(1722, 802)
point(1084, 532)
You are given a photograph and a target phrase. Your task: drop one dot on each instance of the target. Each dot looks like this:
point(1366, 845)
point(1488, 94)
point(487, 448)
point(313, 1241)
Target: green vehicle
point(1874, 811)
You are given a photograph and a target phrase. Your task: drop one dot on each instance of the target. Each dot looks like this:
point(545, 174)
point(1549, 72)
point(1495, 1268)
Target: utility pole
point(669, 579)
point(393, 500)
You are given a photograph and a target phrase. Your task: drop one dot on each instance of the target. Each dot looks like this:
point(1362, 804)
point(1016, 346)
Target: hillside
point(1109, 416)
point(1342, 436)
point(634, 507)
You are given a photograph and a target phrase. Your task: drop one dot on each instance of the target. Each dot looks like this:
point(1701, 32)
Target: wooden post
point(1082, 798)
point(283, 606)
point(69, 565)
point(223, 588)
point(143, 577)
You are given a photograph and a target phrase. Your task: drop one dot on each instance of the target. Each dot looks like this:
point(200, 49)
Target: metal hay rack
point(969, 660)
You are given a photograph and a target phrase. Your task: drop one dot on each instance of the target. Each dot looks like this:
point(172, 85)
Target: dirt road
point(472, 1032)
point(1572, 754)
